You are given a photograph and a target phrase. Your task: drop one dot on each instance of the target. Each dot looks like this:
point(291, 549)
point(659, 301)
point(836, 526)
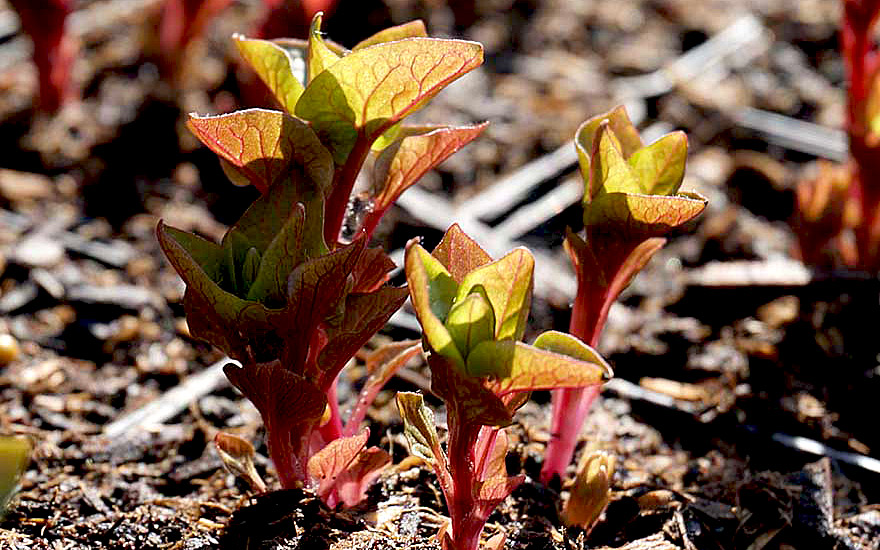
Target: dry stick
point(172, 402)
point(632, 391)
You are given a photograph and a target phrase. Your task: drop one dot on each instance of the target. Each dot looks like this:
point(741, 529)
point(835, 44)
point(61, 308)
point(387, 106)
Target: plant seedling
point(631, 199)
point(473, 312)
point(281, 293)
point(355, 102)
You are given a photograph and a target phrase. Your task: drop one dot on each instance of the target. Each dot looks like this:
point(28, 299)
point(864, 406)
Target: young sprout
point(631, 200)
point(473, 313)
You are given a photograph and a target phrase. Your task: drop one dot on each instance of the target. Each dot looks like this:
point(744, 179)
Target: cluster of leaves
point(281, 294)
point(838, 213)
point(631, 200)
point(473, 313)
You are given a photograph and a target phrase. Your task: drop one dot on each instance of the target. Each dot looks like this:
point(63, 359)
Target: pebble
point(9, 349)
point(38, 251)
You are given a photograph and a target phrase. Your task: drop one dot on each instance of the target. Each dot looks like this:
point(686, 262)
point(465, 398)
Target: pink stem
point(466, 523)
point(343, 183)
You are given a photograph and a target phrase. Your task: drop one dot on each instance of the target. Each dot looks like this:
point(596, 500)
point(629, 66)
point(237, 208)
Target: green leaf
point(412, 29)
point(459, 253)
point(471, 320)
point(267, 216)
point(262, 144)
point(15, 453)
point(320, 55)
point(432, 292)
point(508, 284)
point(277, 66)
point(280, 258)
point(366, 92)
point(619, 123)
point(660, 166)
point(610, 172)
point(515, 367)
point(418, 427)
point(215, 311)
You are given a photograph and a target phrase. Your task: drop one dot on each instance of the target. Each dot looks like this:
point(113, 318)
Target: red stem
point(343, 183)
point(570, 406)
point(461, 499)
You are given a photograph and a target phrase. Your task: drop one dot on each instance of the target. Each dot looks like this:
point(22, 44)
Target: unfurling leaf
point(320, 56)
point(328, 463)
point(471, 321)
point(421, 435)
point(508, 285)
point(459, 254)
point(432, 291)
point(590, 492)
point(281, 68)
point(237, 455)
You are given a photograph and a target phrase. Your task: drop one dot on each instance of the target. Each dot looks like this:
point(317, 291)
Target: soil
point(741, 411)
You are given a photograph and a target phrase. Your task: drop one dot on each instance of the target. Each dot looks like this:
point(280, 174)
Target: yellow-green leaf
point(369, 90)
point(407, 30)
point(660, 166)
point(562, 361)
point(508, 284)
point(471, 321)
point(15, 453)
point(278, 67)
point(320, 55)
point(262, 144)
point(419, 428)
point(432, 291)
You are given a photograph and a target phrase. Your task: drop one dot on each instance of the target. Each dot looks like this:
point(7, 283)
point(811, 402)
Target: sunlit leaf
point(405, 161)
point(471, 320)
point(262, 145)
point(418, 427)
point(460, 254)
point(619, 123)
point(660, 166)
point(644, 216)
point(610, 172)
point(328, 463)
point(369, 90)
point(508, 285)
point(320, 55)
point(515, 366)
point(276, 66)
point(432, 291)
point(407, 30)
point(352, 484)
point(590, 491)
point(15, 453)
